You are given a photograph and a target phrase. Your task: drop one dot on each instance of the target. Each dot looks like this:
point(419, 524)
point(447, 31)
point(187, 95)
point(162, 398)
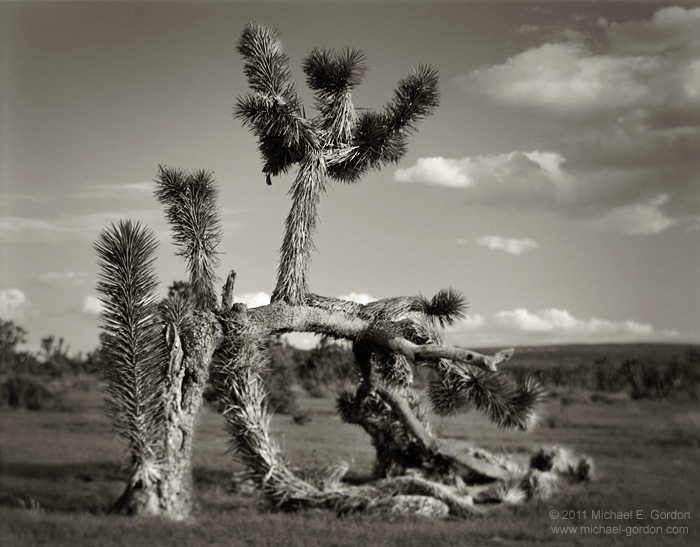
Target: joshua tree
point(342, 145)
point(160, 355)
point(339, 143)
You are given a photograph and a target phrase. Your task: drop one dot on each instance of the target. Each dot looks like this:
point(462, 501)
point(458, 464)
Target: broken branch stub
point(432, 352)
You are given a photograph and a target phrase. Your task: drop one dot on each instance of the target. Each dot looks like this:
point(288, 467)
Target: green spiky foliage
point(132, 346)
point(191, 209)
point(336, 143)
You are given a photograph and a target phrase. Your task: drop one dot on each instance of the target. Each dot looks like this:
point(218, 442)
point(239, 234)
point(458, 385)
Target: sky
point(557, 185)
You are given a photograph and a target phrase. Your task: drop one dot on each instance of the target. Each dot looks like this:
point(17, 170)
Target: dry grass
point(59, 472)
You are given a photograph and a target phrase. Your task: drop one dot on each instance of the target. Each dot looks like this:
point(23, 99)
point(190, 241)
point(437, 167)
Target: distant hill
point(573, 355)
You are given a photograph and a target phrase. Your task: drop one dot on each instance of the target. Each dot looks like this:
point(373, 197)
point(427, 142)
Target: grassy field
point(60, 472)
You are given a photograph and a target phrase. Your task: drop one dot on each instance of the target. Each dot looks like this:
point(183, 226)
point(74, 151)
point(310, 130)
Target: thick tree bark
point(167, 492)
point(386, 407)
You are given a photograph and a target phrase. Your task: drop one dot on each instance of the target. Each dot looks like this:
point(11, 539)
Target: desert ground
point(61, 469)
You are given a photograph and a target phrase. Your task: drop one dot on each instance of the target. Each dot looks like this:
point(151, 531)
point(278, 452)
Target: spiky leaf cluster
point(382, 137)
point(331, 72)
point(177, 310)
point(415, 98)
point(342, 145)
point(417, 318)
point(190, 206)
point(446, 307)
point(493, 394)
point(272, 109)
point(332, 75)
point(133, 348)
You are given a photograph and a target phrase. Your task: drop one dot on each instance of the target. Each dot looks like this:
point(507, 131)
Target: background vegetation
point(632, 408)
point(43, 379)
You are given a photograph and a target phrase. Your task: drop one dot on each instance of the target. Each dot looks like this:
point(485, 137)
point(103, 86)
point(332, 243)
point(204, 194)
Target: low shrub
point(26, 392)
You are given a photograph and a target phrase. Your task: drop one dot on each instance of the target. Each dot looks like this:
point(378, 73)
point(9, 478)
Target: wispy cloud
point(527, 29)
point(644, 218)
point(72, 227)
point(521, 326)
point(507, 245)
point(124, 190)
point(62, 279)
point(555, 320)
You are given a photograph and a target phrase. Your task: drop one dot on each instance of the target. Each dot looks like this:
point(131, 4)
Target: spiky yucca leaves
point(300, 225)
point(335, 143)
point(509, 405)
point(332, 75)
point(382, 137)
point(193, 214)
point(418, 317)
point(415, 98)
point(133, 348)
point(267, 65)
point(272, 110)
point(242, 394)
point(446, 307)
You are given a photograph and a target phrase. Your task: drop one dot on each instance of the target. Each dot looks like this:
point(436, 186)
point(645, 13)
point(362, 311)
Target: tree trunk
point(166, 490)
point(386, 407)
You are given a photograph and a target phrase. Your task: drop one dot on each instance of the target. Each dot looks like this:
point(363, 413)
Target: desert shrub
point(674, 380)
point(279, 378)
point(330, 364)
point(679, 378)
point(26, 392)
point(301, 417)
point(280, 396)
point(606, 376)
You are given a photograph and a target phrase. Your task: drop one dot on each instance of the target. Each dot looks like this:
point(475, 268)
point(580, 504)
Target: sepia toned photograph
point(334, 273)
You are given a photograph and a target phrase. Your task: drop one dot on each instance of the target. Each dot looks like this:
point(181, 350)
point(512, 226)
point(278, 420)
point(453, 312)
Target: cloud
point(71, 227)
point(302, 340)
point(510, 246)
point(92, 305)
point(360, 298)
point(12, 303)
point(514, 178)
point(566, 79)
point(62, 279)
point(438, 171)
point(253, 299)
point(634, 200)
point(649, 63)
point(124, 190)
point(86, 227)
point(521, 326)
point(562, 322)
point(469, 323)
point(622, 112)
point(645, 218)
point(668, 29)
point(527, 29)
